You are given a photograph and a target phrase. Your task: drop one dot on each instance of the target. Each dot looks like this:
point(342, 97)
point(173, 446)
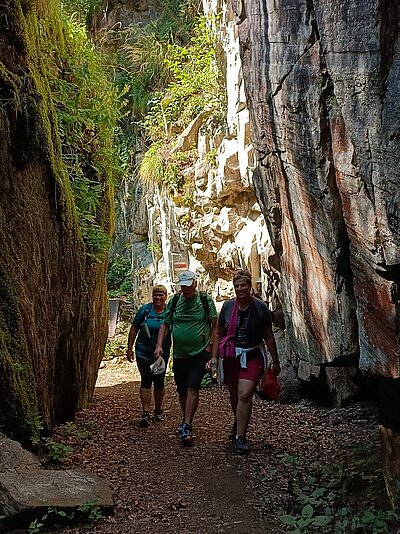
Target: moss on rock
point(19, 406)
point(53, 302)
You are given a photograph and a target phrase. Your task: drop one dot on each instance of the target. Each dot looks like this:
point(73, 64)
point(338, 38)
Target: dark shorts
point(189, 372)
point(233, 372)
point(147, 377)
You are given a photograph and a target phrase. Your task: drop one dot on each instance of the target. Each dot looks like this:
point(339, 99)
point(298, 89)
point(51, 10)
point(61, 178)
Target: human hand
point(129, 355)
point(158, 352)
point(208, 364)
point(276, 368)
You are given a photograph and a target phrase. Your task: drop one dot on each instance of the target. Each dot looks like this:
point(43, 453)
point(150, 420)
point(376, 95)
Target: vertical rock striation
point(322, 83)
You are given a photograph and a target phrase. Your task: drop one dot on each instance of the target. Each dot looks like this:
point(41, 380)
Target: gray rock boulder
point(28, 490)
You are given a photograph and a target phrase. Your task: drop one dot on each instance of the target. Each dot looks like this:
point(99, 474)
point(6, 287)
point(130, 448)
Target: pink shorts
point(233, 372)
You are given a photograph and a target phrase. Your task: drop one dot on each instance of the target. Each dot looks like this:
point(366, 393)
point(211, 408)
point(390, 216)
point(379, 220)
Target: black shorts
point(189, 372)
point(147, 377)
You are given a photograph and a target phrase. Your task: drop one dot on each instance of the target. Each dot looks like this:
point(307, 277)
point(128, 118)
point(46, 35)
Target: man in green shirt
point(193, 326)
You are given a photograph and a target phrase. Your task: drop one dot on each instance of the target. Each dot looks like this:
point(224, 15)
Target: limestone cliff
point(53, 306)
point(222, 227)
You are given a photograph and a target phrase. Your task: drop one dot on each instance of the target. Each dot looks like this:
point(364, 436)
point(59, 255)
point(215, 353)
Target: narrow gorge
point(286, 165)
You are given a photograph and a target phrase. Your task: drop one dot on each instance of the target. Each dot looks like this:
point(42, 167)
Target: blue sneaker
point(241, 446)
point(144, 422)
point(186, 435)
point(180, 428)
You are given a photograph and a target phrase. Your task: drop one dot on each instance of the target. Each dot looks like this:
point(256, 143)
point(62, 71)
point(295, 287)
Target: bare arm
point(131, 340)
point(218, 333)
point(212, 334)
point(160, 340)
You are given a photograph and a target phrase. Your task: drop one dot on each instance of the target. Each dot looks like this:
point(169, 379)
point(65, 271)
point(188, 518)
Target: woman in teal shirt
point(144, 331)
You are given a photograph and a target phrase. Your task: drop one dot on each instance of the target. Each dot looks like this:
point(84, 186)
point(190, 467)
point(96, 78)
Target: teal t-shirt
point(145, 346)
point(190, 325)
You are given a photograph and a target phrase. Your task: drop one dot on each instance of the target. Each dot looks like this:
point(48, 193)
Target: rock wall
point(322, 84)
point(53, 307)
point(223, 228)
point(322, 98)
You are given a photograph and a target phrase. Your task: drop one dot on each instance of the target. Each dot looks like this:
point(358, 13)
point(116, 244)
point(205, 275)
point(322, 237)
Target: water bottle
point(214, 369)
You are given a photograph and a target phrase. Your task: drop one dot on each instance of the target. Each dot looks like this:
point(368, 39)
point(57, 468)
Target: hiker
point(244, 322)
point(147, 323)
point(193, 317)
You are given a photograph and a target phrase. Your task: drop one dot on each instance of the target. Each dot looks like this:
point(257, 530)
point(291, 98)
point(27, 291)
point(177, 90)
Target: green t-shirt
point(190, 325)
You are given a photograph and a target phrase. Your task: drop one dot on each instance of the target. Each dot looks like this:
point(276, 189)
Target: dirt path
point(159, 487)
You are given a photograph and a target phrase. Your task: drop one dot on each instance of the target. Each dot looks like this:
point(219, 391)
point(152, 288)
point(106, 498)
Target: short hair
point(242, 274)
point(159, 289)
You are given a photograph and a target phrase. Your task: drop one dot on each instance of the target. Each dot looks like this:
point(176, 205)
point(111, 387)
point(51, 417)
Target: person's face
point(159, 298)
point(242, 288)
point(189, 291)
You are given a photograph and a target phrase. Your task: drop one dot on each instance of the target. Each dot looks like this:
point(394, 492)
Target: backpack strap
point(147, 311)
point(203, 298)
point(175, 299)
point(205, 303)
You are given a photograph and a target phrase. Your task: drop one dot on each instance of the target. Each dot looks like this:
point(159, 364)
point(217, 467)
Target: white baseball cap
point(186, 278)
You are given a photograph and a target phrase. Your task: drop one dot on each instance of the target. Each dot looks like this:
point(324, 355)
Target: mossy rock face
point(53, 304)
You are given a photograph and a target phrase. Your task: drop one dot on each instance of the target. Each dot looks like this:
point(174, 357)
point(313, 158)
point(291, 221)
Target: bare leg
point(246, 391)
point(192, 402)
point(158, 398)
point(145, 398)
point(233, 398)
point(182, 402)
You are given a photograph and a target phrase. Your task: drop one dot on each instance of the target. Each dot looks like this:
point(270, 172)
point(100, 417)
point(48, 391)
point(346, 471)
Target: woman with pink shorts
point(243, 372)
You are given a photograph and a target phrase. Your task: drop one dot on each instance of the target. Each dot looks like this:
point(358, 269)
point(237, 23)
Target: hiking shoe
point(145, 420)
point(158, 415)
point(179, 428)
point(186, 435)
point(232, 433)
point(241, 446)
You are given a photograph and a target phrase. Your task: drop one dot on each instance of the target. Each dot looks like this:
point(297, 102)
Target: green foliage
point(56, 452)
point(91, 511)
point(19, 366)
point(306, 520)
point(165, 168)
point(50, 516)
point(35, 422)
point(114, 348)
point(290, 459)
point(35, 526)
point(69, 429)
point(119, 277)
point(152, 166)
point(82, 10)
point(155, 248)
point(141, 59)
point(87, 512)
point(320, 507)
point(194, 85)
point(189, 85)
point(211, 157)
point(88, 109)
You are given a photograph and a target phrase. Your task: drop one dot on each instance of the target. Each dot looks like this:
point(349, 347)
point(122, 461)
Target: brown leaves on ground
point(160, 487)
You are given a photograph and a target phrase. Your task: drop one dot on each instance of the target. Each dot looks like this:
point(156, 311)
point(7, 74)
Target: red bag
point(270, 385)
point(226, 345)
